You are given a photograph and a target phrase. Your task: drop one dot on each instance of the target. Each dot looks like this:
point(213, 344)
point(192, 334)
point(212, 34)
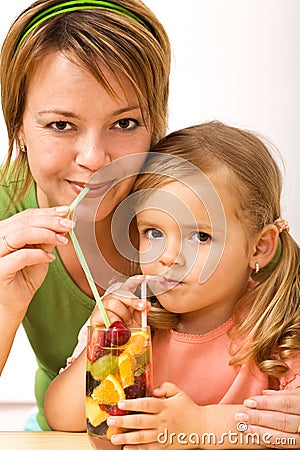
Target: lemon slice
point(94, 414)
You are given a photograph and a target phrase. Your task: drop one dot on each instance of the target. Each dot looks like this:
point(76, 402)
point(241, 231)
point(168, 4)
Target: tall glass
point(119, 367)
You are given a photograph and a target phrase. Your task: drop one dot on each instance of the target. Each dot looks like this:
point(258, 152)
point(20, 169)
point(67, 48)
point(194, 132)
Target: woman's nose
point(92, 153)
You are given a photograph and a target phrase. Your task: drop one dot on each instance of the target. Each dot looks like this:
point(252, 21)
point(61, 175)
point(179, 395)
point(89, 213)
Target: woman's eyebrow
point(58, 112)
point(127, 109)
point(71, 114)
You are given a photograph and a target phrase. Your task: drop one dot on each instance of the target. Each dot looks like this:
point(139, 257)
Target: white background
point(237, 61)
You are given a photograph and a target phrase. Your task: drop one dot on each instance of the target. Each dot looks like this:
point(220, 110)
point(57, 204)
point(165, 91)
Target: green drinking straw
point(83, 262)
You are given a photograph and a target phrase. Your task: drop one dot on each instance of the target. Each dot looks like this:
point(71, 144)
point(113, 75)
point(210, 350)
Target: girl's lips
point(94, 190)
point(168, 284)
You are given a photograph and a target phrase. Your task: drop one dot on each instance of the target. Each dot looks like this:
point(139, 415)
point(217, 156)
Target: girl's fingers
point(118, 311)
point(134, 421)
point(127, 298)
point(132, 283)
point(148, 405)
point(166, 390)
point(137, 437)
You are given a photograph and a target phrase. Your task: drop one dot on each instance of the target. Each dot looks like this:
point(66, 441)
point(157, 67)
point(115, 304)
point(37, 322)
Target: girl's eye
point(199, 236)
point(153, 233)
point(127, 124)
point(61, 125)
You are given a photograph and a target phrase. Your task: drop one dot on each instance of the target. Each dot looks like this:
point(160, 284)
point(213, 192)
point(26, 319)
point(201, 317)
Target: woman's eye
point(127, 124)
point(153, 233)
point(199, 236)
point(61, 125)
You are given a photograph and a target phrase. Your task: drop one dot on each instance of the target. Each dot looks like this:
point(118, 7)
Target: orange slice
point(115, 430)
point(136, 343)
point(109, 391)
point(126, 369)
point(94, 413)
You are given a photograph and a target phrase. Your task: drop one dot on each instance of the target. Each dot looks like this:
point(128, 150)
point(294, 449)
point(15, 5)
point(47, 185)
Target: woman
point(82, 85)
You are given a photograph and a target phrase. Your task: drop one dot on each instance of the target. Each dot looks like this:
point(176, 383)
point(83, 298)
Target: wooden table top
point(47, 440)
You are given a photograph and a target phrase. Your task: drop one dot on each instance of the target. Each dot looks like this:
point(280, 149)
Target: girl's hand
point(26, 242)
point(122, 304)
point(169, 411)
point(275, 417)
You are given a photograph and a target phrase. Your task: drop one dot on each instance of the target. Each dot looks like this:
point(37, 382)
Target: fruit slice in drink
point(118, 368)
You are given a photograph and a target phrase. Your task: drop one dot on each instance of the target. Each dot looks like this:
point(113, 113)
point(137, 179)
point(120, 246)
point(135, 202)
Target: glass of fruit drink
point(118, 368)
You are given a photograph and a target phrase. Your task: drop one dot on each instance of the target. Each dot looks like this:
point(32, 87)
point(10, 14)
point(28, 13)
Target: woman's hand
point(122, 304)
point(26, 242)
point(169, 411)
point(275, 417)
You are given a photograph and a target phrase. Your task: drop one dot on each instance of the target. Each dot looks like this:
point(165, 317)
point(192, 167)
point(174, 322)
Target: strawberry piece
point(113, 410)
point(94, 348)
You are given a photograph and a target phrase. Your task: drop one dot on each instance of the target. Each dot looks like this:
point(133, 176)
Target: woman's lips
point(95, 190)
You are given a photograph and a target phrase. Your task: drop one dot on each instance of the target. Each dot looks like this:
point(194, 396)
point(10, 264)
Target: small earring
point(256, 267)
point(22, 146)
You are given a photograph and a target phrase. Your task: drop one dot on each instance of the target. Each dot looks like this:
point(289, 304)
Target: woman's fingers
point(270, 419)
point(268, 437)
point(284, 401)
point(34, 227)
point(24, 258)
point(275, 417)
point(12, 242)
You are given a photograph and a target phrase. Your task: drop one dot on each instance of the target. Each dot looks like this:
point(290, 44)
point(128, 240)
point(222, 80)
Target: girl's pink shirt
point(199, 365)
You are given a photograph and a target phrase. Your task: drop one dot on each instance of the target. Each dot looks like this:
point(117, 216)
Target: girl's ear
point(265, 247)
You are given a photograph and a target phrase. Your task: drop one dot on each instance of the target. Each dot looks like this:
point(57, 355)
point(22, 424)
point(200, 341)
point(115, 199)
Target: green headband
point(76, 5)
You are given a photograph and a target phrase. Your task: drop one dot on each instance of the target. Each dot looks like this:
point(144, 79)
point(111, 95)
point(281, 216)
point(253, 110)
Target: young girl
point(225, 316)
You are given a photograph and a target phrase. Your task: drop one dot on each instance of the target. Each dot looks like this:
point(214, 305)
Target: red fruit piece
point(113, 410)
point(94, 347)
point(118, 334)
point(138, 389)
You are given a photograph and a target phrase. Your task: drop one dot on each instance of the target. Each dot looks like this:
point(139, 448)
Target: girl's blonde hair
point(140, 50)
point(271, 326)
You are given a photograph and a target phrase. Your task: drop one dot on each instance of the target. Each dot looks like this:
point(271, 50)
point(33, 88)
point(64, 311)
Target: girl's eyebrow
point(205, 227)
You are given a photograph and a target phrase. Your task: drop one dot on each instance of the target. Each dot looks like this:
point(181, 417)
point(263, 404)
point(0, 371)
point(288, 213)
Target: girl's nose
point(172, 255)
point(92, 153)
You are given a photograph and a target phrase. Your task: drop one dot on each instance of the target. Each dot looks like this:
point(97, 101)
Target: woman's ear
point(265, 247)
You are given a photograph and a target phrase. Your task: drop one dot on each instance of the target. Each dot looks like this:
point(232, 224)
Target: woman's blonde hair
point(139, 49)
point(271, 326)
